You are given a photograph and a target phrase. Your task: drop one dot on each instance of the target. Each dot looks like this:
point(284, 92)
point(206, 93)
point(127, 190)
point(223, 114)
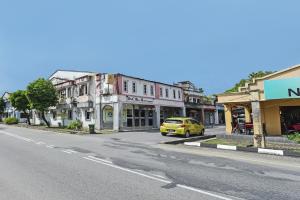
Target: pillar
point(258, 138)
point(217, 115)
point(98, 113)
point(247, 115)
point(202, 115)
point(157, 116)
point(184, 111)
point(228, 118)
point(117, 116)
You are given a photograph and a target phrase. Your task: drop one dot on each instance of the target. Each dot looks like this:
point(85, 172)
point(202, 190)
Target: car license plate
point(171, 131)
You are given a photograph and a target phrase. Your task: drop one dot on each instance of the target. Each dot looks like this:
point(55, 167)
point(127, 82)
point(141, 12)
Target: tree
point(42, 95)
point(251, 76)
point(20, 101)
point(2, 106)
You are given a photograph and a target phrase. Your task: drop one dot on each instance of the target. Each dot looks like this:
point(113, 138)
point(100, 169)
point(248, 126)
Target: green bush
point(11, 120)
point(295, 137)
point(75, 125)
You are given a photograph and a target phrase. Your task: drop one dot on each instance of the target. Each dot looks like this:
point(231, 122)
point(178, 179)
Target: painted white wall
point(139, 87)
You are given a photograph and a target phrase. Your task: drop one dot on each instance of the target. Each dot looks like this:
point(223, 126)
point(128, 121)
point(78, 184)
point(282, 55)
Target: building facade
point(131, 103)
point(199, 106)
point(112, 101)
point(10, 111)
point(271, 103)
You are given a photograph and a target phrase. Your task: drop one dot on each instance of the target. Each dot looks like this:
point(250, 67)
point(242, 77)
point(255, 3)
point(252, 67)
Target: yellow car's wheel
point(202, 132)
point(187, 134)
point(163, 134)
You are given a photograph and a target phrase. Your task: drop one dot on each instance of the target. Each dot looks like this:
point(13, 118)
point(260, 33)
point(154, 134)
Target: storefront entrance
point(290, 118)
point(138, 116)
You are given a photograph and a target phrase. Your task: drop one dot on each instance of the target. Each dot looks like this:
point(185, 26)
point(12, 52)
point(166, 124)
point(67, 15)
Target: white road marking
point(157, 179)
point(159, 176)
point(50, 146)
point(66, 151)
point(40, 143)
point(69, 151)
point(17, 136)
point(99, 159)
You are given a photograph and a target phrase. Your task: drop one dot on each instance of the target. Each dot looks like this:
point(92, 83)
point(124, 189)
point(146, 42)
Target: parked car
point(182, 126)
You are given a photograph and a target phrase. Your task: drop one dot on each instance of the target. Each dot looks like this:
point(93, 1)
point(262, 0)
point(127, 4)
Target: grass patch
point(294, 137)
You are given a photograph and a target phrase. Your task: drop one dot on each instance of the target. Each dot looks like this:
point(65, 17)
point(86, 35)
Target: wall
point(271, 114)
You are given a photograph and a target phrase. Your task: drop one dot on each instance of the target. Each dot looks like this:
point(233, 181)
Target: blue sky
point(203, 41)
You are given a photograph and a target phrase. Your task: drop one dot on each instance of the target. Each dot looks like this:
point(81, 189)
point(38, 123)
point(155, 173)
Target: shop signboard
point(282, 88)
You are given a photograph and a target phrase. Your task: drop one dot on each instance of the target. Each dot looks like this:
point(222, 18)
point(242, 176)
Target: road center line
point(157, 179)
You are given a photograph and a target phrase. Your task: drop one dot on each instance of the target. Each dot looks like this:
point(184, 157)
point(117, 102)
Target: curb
point(192, 139)
point(245, 149)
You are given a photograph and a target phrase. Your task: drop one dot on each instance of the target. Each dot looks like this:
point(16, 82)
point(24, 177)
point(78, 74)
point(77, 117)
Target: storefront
point(167, 112)
point(138, 116)
point(271, 103)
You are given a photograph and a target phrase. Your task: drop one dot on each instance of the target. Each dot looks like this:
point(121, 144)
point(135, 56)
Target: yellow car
point(182, 126)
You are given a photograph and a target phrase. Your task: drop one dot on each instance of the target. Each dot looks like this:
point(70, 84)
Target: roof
point(279, 72)
point(66, 70)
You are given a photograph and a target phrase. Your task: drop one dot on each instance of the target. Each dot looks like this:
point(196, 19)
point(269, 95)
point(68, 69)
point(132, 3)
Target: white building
point(130, 103)
point(112, 101)
point(76, 92)
point(10, 111)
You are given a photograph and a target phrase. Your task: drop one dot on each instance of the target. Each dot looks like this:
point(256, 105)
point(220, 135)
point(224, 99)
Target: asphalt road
point(44, 165)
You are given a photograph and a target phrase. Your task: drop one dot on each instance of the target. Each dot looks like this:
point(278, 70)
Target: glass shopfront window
point(138, 116)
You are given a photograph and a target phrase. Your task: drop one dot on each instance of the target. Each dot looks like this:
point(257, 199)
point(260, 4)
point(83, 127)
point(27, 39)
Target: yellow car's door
point(197, 127)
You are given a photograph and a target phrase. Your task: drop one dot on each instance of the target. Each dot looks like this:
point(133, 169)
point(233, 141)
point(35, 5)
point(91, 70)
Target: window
point(198, 101)
point(174, 94)
point(145, 89)
point(134, 87)
point(23, 115)
point(69, 92)
point(150, 118)
point(63, 94)
point(161, 92)
point(54, 115)
point(125, 86)
point(194, 100)
point(151, 90)
point(179, 94)
point(70, 115)
point(129, 118)
point(167, 93)
point(87, 115)
point(82, 90)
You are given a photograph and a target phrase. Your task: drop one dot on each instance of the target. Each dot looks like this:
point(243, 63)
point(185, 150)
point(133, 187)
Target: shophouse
point(77, 95)
point(131, 103)
point(199, 106)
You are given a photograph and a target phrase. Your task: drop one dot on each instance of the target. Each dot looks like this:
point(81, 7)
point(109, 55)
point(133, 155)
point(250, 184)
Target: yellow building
point(273, 102)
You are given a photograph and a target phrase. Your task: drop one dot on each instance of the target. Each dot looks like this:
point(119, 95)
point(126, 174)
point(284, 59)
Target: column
point(247, 115)
point(184, 111)
point(217, 116)
point(258, 138)
point(203, 116)
point(98, 113)
point(228, 118)
point(117, 116)
point(157, 116)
